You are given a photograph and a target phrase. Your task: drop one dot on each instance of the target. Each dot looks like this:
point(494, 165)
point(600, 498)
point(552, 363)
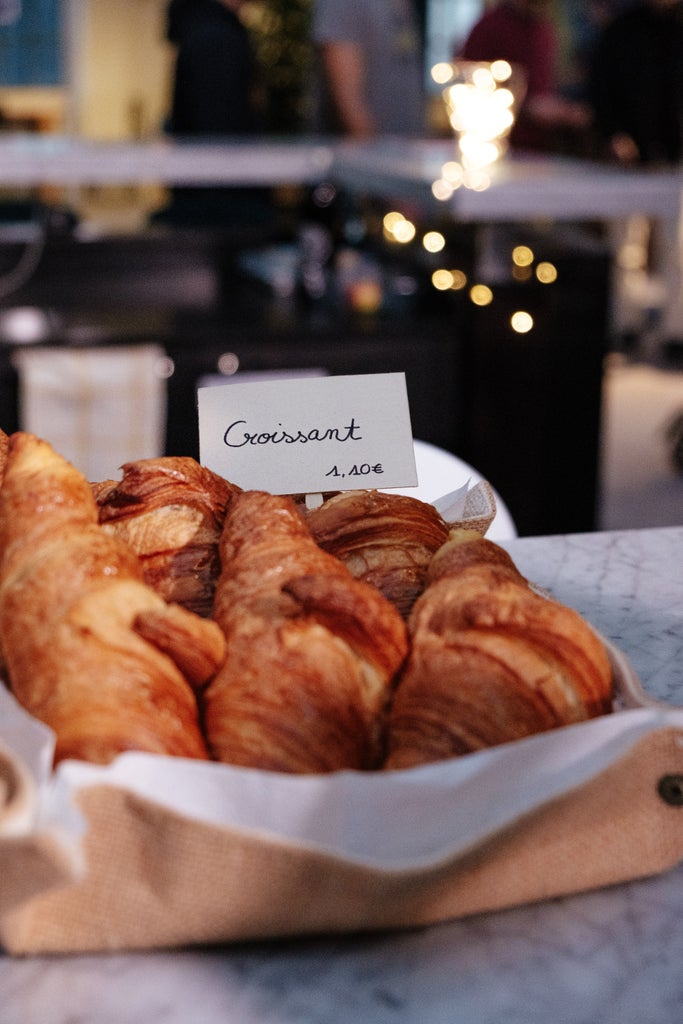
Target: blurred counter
point(521, 187)
point(32, 160)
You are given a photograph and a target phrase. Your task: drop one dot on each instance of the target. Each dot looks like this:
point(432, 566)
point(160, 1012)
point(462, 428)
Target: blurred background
point(102, 68)
point(577, 422)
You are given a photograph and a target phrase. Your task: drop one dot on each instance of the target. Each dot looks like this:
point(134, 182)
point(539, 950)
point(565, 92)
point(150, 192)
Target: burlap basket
point(155, 852)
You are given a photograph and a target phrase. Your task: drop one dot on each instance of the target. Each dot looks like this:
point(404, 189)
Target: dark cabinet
point(523, 408)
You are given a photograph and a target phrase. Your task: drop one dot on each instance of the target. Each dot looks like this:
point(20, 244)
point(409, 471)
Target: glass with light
point(482, 100)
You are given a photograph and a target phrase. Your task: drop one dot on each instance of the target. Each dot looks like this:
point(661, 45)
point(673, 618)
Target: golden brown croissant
point(386, 540)
point(91, 650)
point(4, 445)
point(170, 511)
point(312, 652)
point(491, 660)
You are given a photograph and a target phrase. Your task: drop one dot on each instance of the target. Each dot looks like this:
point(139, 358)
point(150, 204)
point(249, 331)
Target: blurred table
point(33, 160)
point(612, 956)
point(521, 188)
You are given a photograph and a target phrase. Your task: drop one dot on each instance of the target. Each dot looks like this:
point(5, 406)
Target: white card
point(309, 435)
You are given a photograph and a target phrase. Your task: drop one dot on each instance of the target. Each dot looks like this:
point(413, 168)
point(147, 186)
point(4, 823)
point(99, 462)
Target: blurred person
point(371, 67)
point(214, 90)
point(214, 74)
point(522, 32)
point(637, 83)
point(637, 95)
point(585, 21)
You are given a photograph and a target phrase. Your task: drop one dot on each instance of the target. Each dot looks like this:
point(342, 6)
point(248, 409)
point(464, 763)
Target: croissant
point(312, 652)
point(170, 511)
point(91, 650)
point(491, 660)
point(386, 540)
point(4, 445)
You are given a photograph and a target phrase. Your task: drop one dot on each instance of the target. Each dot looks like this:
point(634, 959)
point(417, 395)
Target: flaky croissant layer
point(170, 511)
point(312, 652)
point(173, 612)
point(90, 649)
point(491, 660)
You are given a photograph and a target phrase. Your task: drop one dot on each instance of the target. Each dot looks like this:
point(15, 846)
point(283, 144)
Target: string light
point(434, 241)
point(546, 272)
point(442, 72)
point(481, 295)
point(521, 321)
point(442, 189)
point(398, 228)
point(442, 279)
point(522, 256)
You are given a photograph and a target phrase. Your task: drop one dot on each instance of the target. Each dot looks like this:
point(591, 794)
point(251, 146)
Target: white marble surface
point(608, 957)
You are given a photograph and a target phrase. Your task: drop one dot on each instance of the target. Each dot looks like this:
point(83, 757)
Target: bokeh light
point(442, 279)
point(442, 190)
point(398, 228)
point(522, 256)
point(501, 70)
point(481, 110)
point(546, 272)
point(433, 241)
point(442, 72)
point(481, 295)
point(521, 321)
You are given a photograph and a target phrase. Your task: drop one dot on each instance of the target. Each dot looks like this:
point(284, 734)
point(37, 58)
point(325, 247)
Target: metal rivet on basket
point(670, 788)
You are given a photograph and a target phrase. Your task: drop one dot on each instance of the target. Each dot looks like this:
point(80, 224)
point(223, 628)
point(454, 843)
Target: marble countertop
point(613, 956)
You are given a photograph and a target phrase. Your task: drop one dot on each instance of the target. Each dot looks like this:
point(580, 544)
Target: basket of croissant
point(253, 718)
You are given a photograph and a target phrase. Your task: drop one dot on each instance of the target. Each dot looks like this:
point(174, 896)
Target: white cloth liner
point(394, 821)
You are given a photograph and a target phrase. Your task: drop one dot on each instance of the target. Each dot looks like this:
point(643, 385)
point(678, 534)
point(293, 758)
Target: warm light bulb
point(477, 179)
point(433, 241)
point(452, 172)
point(391, 219)
point(442, 189)
point(501, 70)
point(483, 79)
point(521, 321)
point(404, 231)
point(522, 256)
point(442, 279)
point(546, 272)
point(481, 295)
point(442, 72)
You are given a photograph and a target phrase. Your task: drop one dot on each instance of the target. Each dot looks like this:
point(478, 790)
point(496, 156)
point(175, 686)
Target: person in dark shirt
point(213, 97)
point(637, 83)
point(637, 95)
point(214, 73)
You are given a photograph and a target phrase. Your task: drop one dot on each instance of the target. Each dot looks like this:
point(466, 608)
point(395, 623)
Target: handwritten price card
point(309, 435)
